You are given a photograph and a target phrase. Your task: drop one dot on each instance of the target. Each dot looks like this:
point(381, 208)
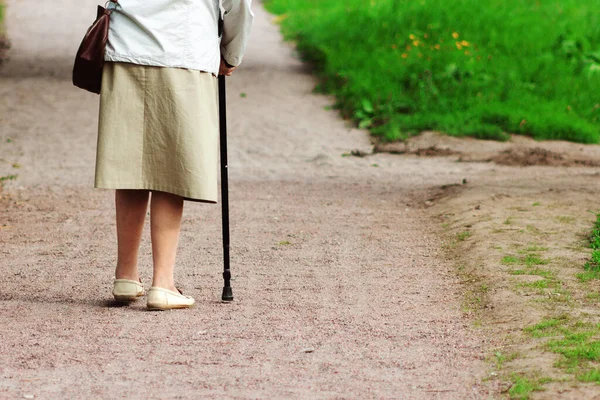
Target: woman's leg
point(165, 222)
point(131, 206)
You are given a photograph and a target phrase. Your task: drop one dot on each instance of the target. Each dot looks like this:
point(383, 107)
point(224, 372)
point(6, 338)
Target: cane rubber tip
point(227, 294)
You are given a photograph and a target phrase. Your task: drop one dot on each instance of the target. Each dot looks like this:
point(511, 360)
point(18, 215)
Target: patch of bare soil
point(538, 156)
point(518, 151)
point(519, 237)
point(434, 151)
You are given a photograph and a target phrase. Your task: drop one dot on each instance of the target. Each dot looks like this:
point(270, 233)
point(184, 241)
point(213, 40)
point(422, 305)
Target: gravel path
point(341, 291)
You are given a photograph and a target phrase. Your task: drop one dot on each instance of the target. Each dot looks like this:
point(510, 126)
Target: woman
point(158, 129)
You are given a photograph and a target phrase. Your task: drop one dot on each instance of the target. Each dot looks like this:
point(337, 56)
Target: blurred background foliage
point(464, 67)
point(4, 44)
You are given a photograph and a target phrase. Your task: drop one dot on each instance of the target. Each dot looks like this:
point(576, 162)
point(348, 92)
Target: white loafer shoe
point(164, 299)
point(127, 290)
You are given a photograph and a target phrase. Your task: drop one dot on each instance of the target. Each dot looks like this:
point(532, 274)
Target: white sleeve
point(237, 23)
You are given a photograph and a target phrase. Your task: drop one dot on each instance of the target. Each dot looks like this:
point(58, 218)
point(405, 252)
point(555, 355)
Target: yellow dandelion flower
point(459, 46)
point(455, 35)
point(416, 43)
point(412, 37)
point(437, 47)
point(465, 43)
point(408, 47)
point(404, 55)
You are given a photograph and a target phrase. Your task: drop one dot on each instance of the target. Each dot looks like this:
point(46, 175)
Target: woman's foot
point(165, 299)
point(127, 290)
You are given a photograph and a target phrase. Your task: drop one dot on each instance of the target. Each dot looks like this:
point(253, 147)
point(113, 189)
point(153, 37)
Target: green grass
point(522, 387)
point(509, 260)
point(541, 284)
point(594, 296)
point(592, 268)
point(464, 67)
point(533, 259)
point(6, 178)
point(589, 274)
point(501, 358)
point(3, 40)
point(530, 263)
point(590, 376)
point(548, 327)
point(462, 236)
point(577, 342)
point(528, 260)
point(2, 6)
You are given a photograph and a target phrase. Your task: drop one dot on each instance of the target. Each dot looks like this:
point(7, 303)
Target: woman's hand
point(225, 69)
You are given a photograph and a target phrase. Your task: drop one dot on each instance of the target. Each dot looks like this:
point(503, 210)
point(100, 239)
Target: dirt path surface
point(341, 291)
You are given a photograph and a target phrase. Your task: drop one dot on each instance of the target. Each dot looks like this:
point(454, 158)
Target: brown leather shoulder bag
point(87, 71)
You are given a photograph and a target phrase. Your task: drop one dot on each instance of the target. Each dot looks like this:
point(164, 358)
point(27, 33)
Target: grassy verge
point(573, 335)
point(576, 340)
point(4, 43)
point(468, 67)
point(592, 268)
point(9, 177)
point(2, 12)
point(519, 251)
point(522, 386)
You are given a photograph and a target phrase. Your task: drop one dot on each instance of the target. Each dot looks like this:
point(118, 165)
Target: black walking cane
point(227, 292)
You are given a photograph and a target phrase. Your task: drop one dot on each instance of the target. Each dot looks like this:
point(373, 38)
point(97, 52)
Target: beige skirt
point(158, 130)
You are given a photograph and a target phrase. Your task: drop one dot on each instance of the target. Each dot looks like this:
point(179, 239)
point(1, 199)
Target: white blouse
point(179, 33)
